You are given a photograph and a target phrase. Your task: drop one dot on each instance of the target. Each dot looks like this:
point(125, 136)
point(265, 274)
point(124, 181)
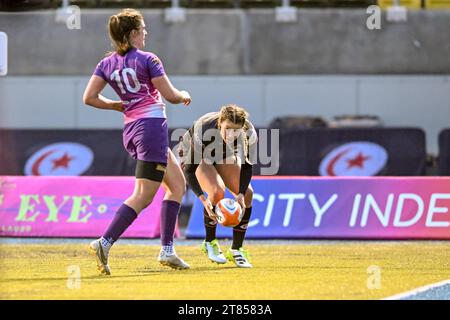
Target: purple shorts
point(147, 139)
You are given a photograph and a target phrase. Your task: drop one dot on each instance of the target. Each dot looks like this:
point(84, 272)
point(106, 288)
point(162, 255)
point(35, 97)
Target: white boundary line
point(418, 290)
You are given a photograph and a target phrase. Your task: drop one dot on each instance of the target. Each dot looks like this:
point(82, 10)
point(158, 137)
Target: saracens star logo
point(360, 158)
point(60, 159)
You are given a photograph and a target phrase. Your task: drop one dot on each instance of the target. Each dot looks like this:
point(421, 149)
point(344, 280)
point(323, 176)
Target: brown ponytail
point(120, 26)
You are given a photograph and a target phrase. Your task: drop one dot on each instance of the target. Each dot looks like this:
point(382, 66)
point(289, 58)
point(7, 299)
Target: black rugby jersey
point(203, 142)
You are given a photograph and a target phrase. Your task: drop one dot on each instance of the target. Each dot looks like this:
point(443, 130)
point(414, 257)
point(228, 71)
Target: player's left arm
point(92, 96)
point(246, 173)
point(245, 177)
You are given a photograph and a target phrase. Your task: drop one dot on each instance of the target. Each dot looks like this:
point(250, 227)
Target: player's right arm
point(92, 96)
point(190, 165)
point(191, 179)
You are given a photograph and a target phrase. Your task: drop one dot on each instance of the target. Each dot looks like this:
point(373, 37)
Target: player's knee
point(248, 197)
point(181, 189)
point(176, 191)
point(144, 199)
point(216, 195)
point(145, 203)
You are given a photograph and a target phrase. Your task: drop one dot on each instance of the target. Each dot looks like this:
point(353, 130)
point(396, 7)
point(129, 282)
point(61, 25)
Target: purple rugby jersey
point(130, 77)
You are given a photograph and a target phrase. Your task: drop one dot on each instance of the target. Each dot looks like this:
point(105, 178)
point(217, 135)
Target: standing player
point(139, 79)
point(216, 154)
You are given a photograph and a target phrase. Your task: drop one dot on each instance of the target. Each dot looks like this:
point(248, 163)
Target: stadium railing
point(18, 5)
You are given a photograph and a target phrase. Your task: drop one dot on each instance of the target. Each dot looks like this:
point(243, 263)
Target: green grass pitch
point(290, 270)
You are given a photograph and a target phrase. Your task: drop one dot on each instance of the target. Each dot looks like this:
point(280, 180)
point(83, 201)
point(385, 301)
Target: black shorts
point(150, 170)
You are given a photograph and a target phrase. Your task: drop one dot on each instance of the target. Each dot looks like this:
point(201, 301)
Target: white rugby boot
point(101, 254)
point(239, 257)
point(172, 260)
point(212, 250)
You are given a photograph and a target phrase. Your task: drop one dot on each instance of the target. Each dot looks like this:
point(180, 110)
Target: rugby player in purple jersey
point(139, 79)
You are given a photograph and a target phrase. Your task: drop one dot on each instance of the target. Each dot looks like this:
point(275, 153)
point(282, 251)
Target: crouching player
point(214, 155)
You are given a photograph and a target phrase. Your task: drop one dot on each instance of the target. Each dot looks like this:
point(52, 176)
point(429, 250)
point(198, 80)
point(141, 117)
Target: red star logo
point(62, 162)
point(358, 161)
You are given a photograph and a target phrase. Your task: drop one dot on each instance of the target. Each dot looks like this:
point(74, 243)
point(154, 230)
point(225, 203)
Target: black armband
point(191, 179)
point(245, 177)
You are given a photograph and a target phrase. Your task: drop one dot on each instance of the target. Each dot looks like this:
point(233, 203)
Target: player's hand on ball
point(186, 98)
point(240, 199)
point(209, 208)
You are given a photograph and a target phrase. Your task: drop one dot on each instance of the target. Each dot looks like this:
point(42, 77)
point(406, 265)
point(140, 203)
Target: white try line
point(419, 290)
